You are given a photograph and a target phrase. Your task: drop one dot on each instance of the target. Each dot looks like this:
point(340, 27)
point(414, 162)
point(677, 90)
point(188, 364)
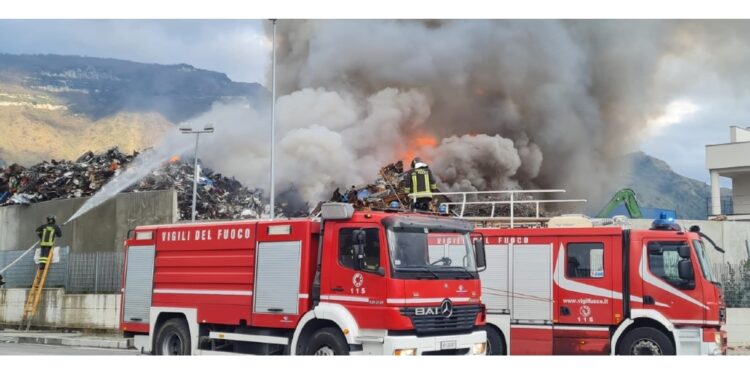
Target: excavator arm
point(626, 196)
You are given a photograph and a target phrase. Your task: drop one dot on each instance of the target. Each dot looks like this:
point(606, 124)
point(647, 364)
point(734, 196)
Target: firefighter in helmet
point(47, 234)
point(420, 184)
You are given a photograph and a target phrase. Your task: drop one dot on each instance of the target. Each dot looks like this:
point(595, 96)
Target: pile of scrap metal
point(219, 197)
point(60, 179)
point(387, 188)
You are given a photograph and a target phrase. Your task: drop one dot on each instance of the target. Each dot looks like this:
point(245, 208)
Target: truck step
point(248, 338)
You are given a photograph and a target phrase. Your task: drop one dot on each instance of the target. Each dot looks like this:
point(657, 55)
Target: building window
point(585, 260)
point(347, 253)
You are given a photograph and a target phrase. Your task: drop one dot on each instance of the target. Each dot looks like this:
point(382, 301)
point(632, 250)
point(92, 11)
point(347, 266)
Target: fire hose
point(19, 258)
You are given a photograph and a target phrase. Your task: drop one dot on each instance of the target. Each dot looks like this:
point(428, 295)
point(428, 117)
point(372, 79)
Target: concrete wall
point(58, 310)
point(738, 326)
point(102, 229)
point(728, 155)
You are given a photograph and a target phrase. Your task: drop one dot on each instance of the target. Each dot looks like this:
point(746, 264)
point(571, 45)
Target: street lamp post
point(206, 129)
point(273, 121)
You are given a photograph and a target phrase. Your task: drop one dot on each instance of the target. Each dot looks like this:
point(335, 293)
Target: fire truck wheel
point(495, 345)
point(327, 341)
point(646, 341)
point(173, 338)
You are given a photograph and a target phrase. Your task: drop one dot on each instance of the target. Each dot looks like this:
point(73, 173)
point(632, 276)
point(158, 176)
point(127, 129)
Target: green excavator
point(626, 196)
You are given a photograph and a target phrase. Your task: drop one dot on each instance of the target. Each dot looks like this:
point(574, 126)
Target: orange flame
point(174, 159)
point(417, 146)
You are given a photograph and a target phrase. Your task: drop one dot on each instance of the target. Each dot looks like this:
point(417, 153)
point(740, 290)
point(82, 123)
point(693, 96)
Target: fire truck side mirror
point(480, 254)
point(684, 251)
point(685, 270)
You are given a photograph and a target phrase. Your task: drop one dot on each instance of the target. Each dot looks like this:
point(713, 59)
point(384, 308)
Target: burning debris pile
point(390, 187)
point(219, 197)
point(387, 188)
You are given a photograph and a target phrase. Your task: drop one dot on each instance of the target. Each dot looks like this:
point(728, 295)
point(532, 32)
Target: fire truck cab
point(585, 289)
point(348, 283)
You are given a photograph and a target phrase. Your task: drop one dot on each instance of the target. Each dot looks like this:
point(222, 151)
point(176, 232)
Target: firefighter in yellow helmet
point(47, 234)
point(420, 184)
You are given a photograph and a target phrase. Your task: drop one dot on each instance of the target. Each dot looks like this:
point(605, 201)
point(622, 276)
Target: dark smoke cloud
point(546, 103)
point(510, 104)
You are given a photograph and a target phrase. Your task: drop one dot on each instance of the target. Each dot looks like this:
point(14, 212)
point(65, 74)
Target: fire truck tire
point(173, 338)
point(495, 344)
point(646, 341)
point(327, 341)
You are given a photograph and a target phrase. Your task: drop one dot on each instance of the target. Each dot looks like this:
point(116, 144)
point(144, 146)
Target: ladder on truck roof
point(511, 198)
point(35, 293)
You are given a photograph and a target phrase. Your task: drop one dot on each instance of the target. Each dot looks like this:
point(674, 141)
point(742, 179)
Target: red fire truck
point(601, 290)
point(347, 283)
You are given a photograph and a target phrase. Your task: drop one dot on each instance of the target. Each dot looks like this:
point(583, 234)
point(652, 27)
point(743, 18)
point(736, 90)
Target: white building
point(731, 160)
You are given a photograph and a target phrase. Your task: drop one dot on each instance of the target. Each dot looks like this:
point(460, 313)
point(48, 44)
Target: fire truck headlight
point(717, 338)
point(403, 352)
point(479, 349)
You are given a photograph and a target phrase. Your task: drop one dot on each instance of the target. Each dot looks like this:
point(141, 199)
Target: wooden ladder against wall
point(35, 293)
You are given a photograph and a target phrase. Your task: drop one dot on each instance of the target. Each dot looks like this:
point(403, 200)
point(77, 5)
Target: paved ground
point(111, 341)
point(41, 349)
point(739, 350)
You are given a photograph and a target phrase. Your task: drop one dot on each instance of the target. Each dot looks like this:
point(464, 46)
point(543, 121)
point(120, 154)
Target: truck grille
point(464, 351)
point(462, 319)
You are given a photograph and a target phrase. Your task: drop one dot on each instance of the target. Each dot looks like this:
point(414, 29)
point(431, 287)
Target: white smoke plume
point(489, 104)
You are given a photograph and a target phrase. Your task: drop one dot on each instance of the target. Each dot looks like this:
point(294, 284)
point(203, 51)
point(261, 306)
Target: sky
point(682, 143)
point(240, 49)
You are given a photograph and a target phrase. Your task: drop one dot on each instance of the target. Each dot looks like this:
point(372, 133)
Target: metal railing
point(94, 272)
point(726, 204)
point(512, 201)
point(98, 272)
point(21, 275)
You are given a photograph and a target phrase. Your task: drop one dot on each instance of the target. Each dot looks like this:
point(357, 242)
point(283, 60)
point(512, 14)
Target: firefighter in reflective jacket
point(420, 184)
point(47, 234)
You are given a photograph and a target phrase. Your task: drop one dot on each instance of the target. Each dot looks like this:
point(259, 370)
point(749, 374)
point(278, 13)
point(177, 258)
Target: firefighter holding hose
point(47, 234)
point(420, 184)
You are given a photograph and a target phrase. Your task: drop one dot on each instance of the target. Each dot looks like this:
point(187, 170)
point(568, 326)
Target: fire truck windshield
point(422, 253)
point(700, 249)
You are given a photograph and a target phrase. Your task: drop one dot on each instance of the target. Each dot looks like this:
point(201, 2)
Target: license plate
point(444, 345)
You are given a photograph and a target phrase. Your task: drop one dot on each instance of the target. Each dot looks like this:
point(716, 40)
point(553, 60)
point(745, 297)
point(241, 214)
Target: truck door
point(353, 270)
point(584, 284)
point(667, 290)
